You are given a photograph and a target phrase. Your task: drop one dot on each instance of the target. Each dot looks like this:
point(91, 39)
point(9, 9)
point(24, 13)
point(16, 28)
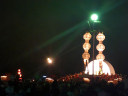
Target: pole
point(93, 51)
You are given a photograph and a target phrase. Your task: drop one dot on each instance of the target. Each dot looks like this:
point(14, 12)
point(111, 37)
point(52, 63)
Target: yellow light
point(110, 81)
point(3, 78)
point(49, 60)
point(86, 80)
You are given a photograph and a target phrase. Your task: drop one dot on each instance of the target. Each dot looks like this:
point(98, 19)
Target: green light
point(94, 17)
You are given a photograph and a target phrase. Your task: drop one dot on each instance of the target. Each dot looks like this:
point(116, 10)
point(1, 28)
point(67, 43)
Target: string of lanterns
point(86, 46)
point(100, 47)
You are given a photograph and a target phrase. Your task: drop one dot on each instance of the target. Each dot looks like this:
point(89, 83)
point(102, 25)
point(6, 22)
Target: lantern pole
point(93, 51)
point(94, 19)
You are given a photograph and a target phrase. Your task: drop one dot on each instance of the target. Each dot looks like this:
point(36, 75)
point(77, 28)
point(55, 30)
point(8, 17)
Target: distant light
point(49, 80)
point(94, 17)
point(49, 60)
point(20, 75)
point(19, 70)
point(86, 80)
point(20, 78)
point(33, 80)
point(110, 81)
point(3, 78)
point(44, 76)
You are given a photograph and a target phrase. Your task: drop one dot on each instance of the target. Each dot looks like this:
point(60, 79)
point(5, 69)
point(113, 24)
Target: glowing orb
point(107, 68)
point(94, 17)
point(49, 60)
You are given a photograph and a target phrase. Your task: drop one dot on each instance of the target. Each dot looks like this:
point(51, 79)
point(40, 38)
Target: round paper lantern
point(100, 47)
point(87, 36)
point(100, 37)
point(100, 57)
point(86, 56)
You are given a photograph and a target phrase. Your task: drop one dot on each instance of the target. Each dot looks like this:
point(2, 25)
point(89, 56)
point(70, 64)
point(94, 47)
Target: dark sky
point(32, 30)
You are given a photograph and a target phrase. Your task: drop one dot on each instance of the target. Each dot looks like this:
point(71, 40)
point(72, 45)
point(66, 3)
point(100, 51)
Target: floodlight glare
point(94, 17)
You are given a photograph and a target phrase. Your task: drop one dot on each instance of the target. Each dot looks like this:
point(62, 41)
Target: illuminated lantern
point(86, 56)
point(87, 36)
point(100, 47)
point(100, 37)
point(100, 57)
point(86, 46)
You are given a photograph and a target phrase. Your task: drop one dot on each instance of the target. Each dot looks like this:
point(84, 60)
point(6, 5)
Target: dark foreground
point(72, 88)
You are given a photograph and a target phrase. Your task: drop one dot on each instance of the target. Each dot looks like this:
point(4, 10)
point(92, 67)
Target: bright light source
point(106, 68)
point(49, 60)
point(94, 17)
point(86, 80)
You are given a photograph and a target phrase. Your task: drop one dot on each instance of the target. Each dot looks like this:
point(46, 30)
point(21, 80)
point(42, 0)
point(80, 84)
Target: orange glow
point(86, 56)
point(100, 37)
point(86, 46)
point(3, 78)
point(87, 36)
point(110, 81)
point(100, 57)
point(49, 60)
point(19, 73)
point(49, 80)
point(20, 78)
point(86, 80)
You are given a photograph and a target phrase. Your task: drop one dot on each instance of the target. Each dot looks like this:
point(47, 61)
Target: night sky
point(32, 30)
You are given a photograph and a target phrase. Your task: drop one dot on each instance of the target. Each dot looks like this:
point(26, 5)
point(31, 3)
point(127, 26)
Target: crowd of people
point(72, 87)
point(81, 75)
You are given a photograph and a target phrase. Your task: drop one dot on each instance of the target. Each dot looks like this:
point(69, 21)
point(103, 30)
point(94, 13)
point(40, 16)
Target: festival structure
point(100, 65)
point(86, 46)
point(97, 66)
